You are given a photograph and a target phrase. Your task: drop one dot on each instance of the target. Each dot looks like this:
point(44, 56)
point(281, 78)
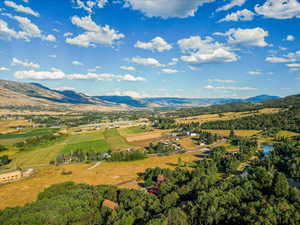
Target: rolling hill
point(34, 95)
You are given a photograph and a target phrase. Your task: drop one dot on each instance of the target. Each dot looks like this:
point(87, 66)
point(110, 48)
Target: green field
point(132, 130)
point(87, 146)
point(99, 141)
point(115, 140)
point(28, 133)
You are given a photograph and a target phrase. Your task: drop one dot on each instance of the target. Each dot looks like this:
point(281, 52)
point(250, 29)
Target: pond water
point(267, 149)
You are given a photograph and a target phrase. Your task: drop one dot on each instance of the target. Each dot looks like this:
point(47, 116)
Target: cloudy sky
point(190, 48)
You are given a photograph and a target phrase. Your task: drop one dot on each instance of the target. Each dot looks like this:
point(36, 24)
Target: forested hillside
point(285, 120)
point(286, 102)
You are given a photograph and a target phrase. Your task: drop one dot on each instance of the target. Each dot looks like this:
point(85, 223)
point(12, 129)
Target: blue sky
point(191, 48)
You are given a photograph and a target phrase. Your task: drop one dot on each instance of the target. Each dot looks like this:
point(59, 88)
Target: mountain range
point(16, 94)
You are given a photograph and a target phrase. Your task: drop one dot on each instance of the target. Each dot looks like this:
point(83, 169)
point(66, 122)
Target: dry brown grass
point(7, 126)
point(25, 191)
point(145, 136)
point(187, 143)
point(225, 116)
point(241, 133)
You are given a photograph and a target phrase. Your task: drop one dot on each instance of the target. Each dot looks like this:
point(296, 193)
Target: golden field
point(113, 173)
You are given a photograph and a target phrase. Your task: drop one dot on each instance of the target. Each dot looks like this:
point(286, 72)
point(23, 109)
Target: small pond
point(267, 149)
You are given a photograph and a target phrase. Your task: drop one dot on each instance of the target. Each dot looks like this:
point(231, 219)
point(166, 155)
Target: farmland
point(113, 173)
point(225, 116)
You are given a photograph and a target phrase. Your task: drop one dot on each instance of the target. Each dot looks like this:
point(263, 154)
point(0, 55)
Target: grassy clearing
point(187, 143)
point(113, 173)
point(131, 130)
point(28, 133)
point(87, 146)
point(284, 133)
point(241, 133)
point(115, 140)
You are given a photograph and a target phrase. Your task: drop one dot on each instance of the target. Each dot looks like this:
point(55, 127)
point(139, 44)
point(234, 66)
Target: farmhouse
point(11, 176)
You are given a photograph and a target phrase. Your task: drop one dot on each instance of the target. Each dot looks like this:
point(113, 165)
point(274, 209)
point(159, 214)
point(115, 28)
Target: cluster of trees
point(163, 123)
point(285, 158)
point(43, 140)
point(163, 148)
point(79, 156)
point(130, 155)
point(2, 148)
point(207, 138)
point(227, 162)
point(283, 120)
point(4, 160)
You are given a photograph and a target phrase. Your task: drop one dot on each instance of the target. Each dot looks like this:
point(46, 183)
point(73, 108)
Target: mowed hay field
point(122, 174)
point(225, 116)
point(115, 141)
point(241, 133)
point(144, 139)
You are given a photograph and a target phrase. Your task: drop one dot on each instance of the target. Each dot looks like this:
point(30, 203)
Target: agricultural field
point(132, 130)
point(9, 126)
point(87, 146)
point(122, 174)
point(241, 133)
point(115, 141)
point(28, 133)
point(225, 116)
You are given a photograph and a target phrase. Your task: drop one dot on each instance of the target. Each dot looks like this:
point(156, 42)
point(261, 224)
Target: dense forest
point(214, 192)
point(283, 120)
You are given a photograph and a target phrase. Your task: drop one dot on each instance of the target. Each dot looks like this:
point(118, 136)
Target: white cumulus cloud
point(146, 61)
point(279, 9)
point(166, 8)
point(156, 44)
point(94, 34)
point(21, 8)
point(4, 69)
point(287, 58)
point(28, 30)
point(205, 50)
point(89, 5)
point(290, 38)
point(128, 68)
point(240, 15)
point(169, 71)
point(232, 4)
point(77, 63)
point(248, 37)
point(24, 63)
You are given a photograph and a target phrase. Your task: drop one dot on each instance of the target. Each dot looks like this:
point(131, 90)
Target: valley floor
point(122, 174)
